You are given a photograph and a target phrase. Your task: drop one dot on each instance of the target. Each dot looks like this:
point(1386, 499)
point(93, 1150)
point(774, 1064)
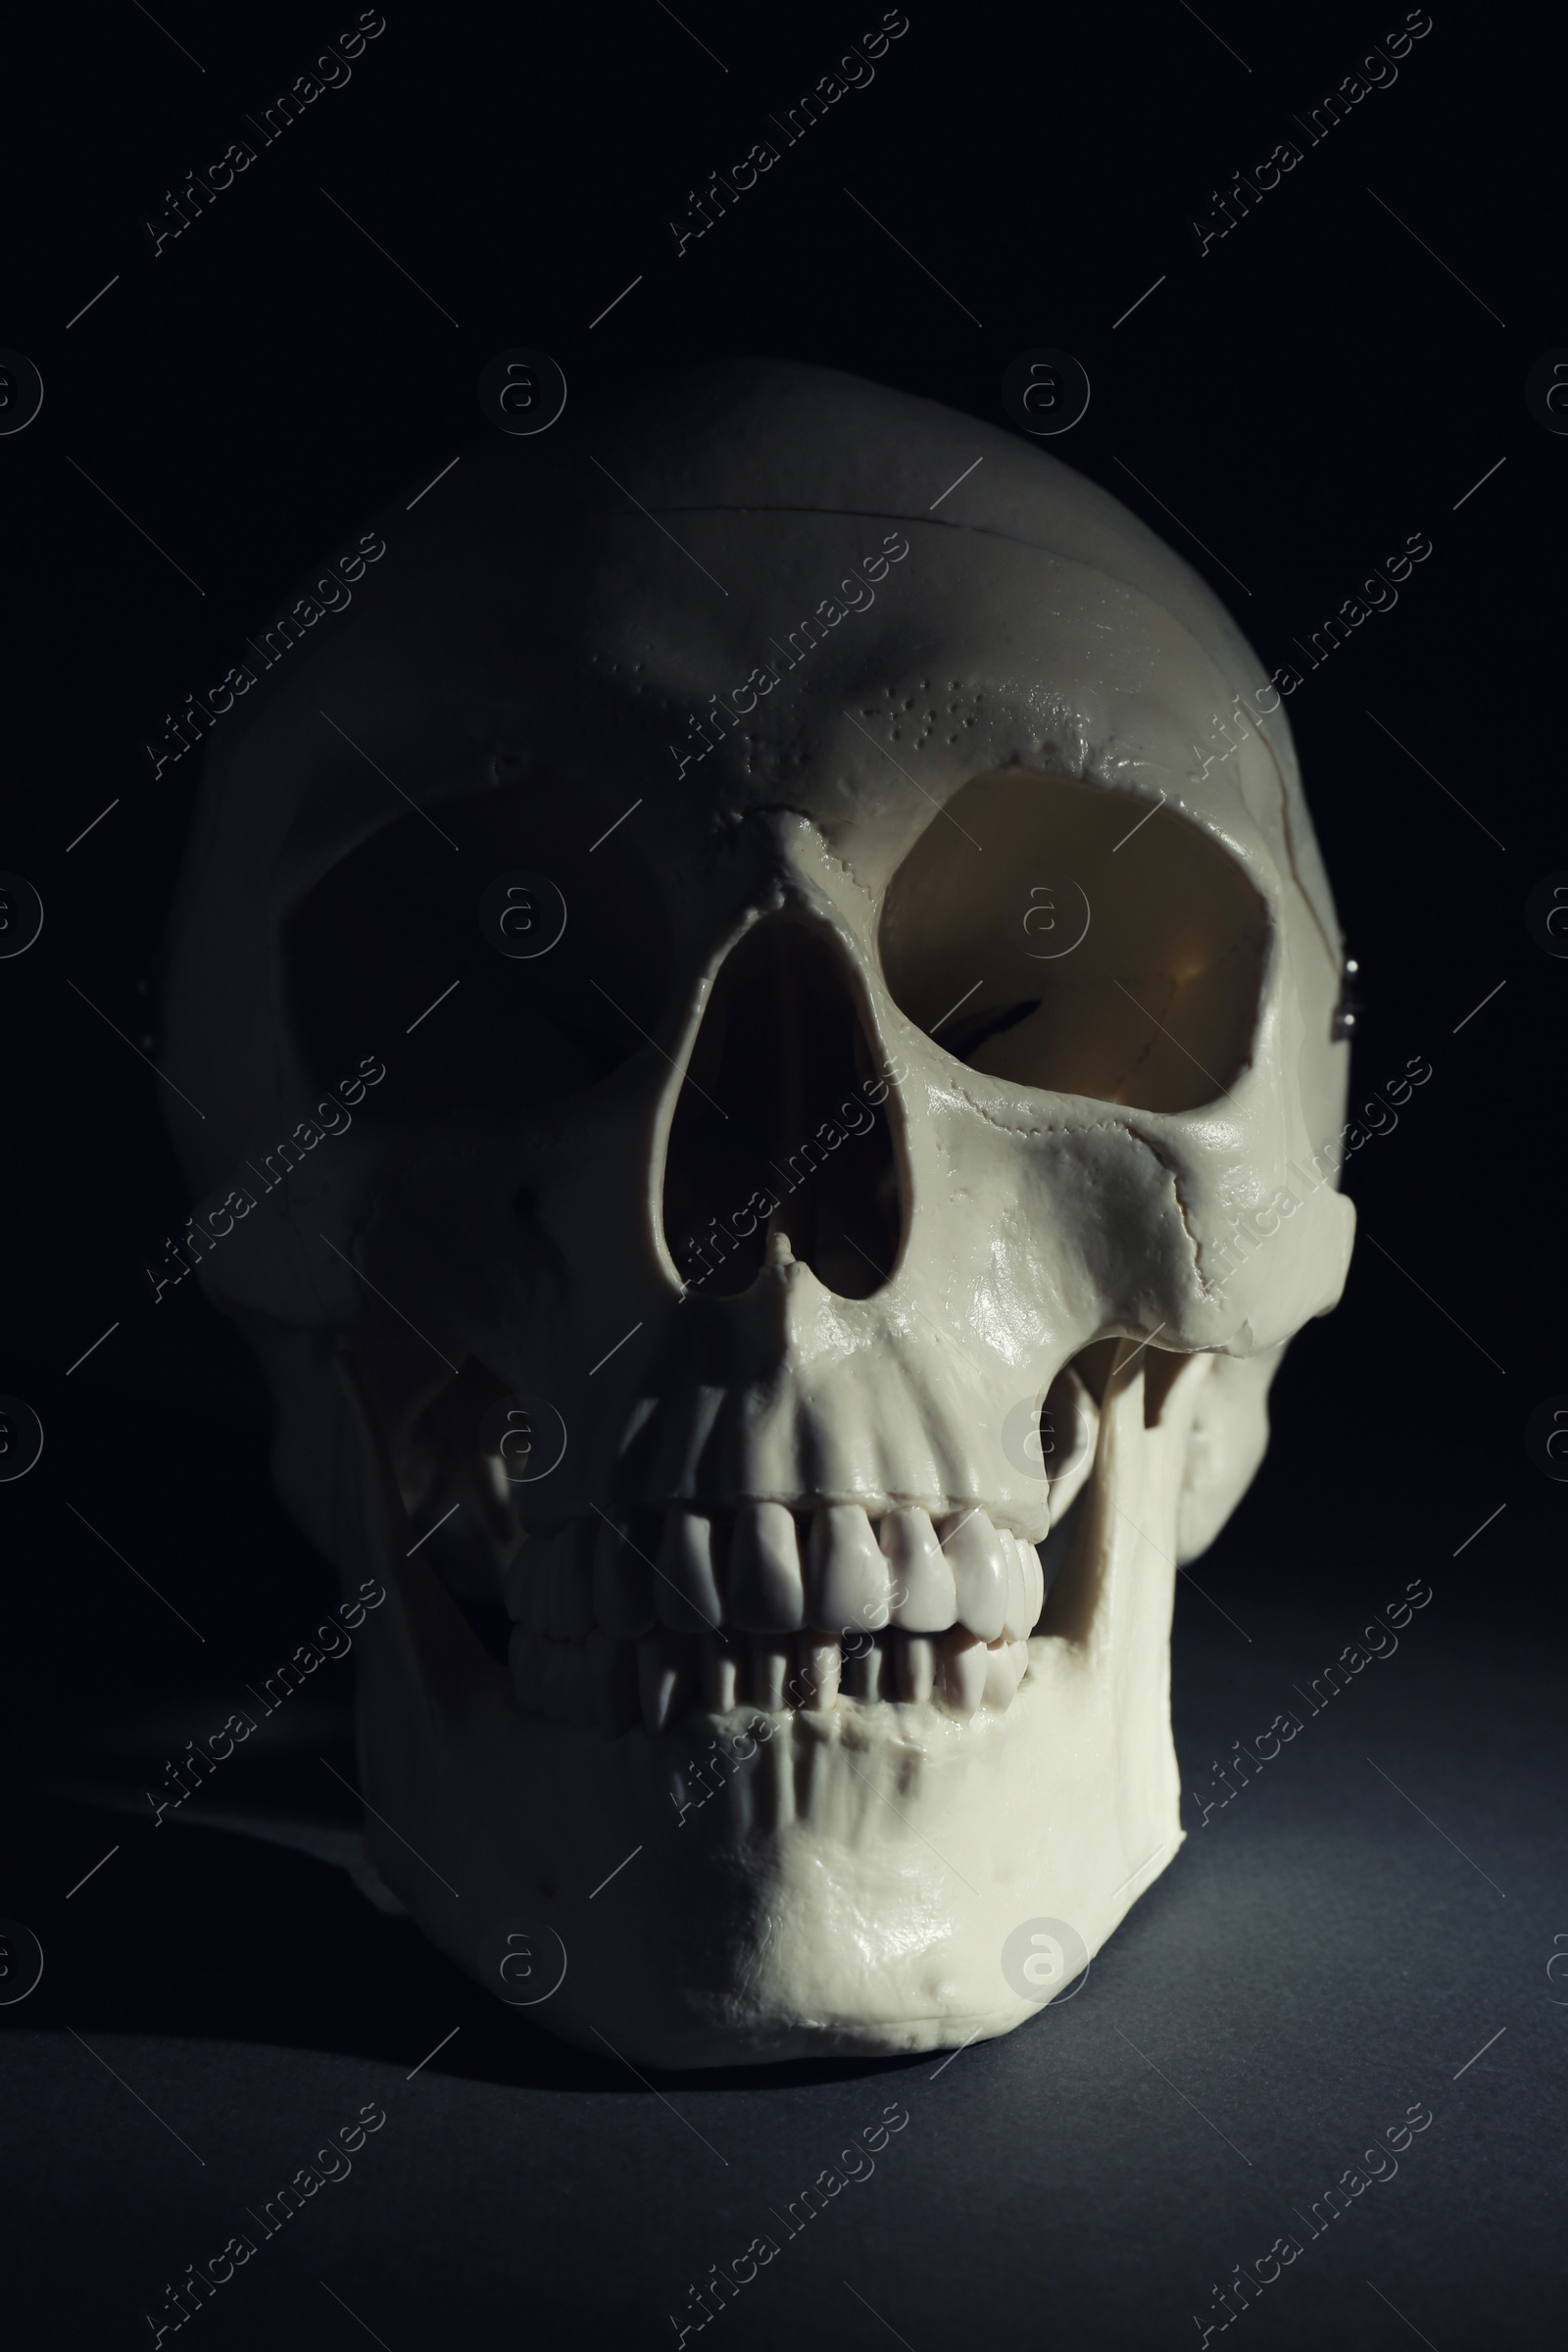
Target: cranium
point(695, 1280)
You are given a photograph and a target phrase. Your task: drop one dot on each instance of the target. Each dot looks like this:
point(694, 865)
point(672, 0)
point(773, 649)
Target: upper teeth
point(598, 1587)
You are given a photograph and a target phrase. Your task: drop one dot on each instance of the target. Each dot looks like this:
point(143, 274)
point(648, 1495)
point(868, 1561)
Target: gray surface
point(1319, 1959)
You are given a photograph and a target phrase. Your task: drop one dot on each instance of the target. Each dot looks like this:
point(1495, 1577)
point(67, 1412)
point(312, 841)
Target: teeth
point(914, 1659)
point(765, 1592)
point(823, 1663)
point(685, 1590)
point(979, 1572)
point(721, 1655)
point(770, 1662)
point(865, 1672)
point(917, 1561)
point(1034, 1587)
point(847, 1574)
point(599, 1638)
point(612, 1679)
point(962, 1661)
point(1004, 1672)
point(1024, 1602)
point(666, 1676)
point(1012, 1624)
point(622, 1586)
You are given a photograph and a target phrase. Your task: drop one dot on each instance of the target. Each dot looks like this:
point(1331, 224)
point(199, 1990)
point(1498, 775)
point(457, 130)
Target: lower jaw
point(755, 1884)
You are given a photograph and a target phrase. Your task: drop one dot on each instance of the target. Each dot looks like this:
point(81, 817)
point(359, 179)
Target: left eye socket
point(390, 928)
point(1044, 935)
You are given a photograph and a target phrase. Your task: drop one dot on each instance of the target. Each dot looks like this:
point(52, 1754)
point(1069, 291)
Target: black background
point(1315, 388)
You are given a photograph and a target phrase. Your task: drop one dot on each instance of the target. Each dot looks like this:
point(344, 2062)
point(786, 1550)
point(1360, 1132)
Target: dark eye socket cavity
point(394, 929)
point(1061, 950)
point(963, 1039)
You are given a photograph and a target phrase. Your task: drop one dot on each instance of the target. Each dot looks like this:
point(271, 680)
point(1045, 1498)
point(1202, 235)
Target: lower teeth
point(612, 1685)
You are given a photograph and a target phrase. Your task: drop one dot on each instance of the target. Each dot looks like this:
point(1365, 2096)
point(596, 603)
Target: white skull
point(1013, 708)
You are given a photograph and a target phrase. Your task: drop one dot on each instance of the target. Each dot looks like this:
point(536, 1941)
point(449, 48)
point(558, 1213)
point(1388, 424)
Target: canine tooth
point(916, 1561)
point(1002, 1673)
point(685, 1590)
point(914, 1666)
point(764, 1590)
point(979, 1571)
point(847, 1575)
point(961, 1662)
point(720, 1671)
point(770, 1664)
point(666, 1676)
point(865, 1674)
point(1018, 1622)
point(823, 1667)
point(622, 1586)
point(611, 1683)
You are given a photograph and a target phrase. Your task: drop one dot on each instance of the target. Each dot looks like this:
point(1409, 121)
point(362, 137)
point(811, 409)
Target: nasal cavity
point(781, 1134)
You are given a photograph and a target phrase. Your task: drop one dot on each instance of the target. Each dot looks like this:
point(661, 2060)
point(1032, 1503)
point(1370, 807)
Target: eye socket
point(1064, 945)
point(397, 921)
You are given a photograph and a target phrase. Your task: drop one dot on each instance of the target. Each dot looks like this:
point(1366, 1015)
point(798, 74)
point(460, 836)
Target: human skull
point(735, 1282)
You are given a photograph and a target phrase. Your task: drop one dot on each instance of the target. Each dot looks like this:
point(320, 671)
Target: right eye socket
point(983, 940)
point(395, 922)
